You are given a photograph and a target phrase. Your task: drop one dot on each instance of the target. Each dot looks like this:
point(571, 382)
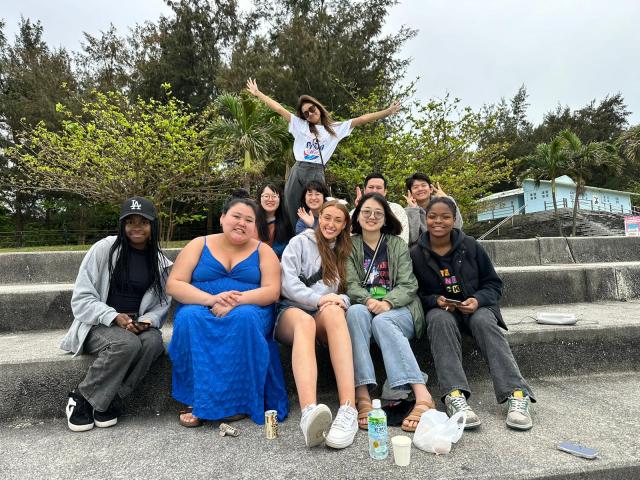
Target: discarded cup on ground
point(401, 450)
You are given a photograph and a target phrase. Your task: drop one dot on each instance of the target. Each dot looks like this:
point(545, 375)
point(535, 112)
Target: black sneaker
point(109, 417)
point(79, 413)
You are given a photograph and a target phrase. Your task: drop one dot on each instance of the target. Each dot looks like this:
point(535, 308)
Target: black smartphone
point(451, 300)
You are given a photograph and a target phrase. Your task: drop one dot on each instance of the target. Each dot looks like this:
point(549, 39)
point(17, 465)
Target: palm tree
point(548, 162)
point(582, 160)
point(629, 144)
point(247, 131)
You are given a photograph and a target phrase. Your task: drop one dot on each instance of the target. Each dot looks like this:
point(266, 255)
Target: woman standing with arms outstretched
point(315, 137)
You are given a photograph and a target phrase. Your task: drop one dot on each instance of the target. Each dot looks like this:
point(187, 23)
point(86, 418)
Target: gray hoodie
point(91, 291)
point(301, 257)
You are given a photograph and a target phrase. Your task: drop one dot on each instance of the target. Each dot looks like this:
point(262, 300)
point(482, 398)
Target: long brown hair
point(325, 118)
point(334, 260)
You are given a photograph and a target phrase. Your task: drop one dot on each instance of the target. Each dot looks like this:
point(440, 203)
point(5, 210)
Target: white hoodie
point(301, 257)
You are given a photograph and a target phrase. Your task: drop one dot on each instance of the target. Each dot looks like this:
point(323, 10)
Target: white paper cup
point(401, 450)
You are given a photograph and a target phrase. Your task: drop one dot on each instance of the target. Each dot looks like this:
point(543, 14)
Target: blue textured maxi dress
point(228, 365)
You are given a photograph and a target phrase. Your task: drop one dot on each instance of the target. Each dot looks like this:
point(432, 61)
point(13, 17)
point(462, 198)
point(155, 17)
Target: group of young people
point(381, 272)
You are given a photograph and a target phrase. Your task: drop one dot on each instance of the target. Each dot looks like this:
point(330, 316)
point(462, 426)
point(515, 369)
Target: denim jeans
point(445, 336)
point(123, 360)
point(392, 331)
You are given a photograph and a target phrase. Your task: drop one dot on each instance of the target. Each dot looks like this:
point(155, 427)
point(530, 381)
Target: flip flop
point(188, 419)
point(415, 414)
point(363, 412)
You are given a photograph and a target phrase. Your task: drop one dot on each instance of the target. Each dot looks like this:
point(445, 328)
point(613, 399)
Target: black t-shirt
point(452, 283)
point(125, 294)
point(378, 282)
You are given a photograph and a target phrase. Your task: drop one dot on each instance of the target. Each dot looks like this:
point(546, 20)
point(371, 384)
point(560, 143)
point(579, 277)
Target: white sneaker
point(314, 423)
point(344, 427)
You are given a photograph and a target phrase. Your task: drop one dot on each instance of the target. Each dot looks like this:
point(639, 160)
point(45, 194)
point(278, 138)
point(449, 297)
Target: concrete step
point(570, 283)
point(46, 267)
point(26, 307)
point(62, 267)
point(562, 250)
point(35, 376)
point(581, 409)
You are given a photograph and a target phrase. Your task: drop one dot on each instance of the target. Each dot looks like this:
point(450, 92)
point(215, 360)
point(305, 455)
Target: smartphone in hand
point(452, 301)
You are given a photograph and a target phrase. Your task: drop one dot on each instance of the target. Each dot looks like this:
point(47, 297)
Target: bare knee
point(305, 327)
point(332, 318)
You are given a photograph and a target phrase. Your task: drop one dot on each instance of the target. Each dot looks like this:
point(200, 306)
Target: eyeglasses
point(377, 214)
point(270, 196)
point(311, 110)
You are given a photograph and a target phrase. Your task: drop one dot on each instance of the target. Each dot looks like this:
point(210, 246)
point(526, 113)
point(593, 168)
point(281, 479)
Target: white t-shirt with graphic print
point(305, 146)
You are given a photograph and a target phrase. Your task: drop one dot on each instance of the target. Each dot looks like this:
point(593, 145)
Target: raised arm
point(372, 117)
point(252, 86)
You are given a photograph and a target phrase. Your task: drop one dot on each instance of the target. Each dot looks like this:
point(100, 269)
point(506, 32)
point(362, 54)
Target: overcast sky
point(563, 51)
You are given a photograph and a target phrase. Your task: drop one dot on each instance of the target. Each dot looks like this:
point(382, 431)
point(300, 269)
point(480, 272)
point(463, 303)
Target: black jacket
point(470, 263)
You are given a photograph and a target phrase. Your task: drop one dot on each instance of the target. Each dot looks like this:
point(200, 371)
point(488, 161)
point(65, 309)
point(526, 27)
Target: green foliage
point(105, 63)
point(33, 78)
point(329, 49)
point(185, 50)
point(629, 145)
point(583, 160)
point(438, 138)
point(547, 163)
point(246, 135)
point(117, 148)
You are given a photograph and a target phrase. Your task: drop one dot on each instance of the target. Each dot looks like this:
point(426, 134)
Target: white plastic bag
point(436, 432)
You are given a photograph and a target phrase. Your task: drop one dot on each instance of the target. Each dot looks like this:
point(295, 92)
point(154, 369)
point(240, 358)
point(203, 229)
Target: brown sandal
point(192, 422)
point(363, 412)
point(414, 415)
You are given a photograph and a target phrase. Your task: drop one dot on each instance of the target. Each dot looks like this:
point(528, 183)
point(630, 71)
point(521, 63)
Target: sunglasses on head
point(312, 109)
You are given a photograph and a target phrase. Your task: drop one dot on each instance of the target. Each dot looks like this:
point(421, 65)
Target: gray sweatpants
point(445, 335)
point(301, 173)
point(123, 360)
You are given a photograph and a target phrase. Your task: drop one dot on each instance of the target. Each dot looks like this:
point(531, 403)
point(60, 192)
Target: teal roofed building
point(531, 198)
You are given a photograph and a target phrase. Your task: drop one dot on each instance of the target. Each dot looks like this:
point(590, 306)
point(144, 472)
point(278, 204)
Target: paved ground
point(599, 411)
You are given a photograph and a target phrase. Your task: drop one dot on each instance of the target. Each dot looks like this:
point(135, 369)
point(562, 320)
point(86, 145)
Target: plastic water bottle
point(378, 436)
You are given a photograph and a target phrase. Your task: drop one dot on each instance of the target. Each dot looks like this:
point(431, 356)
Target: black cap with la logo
point(138, 206)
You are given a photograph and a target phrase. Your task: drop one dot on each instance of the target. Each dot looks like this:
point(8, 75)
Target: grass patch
point(74, 248)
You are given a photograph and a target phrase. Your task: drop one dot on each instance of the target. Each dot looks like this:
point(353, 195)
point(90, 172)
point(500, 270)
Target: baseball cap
point(138, 206)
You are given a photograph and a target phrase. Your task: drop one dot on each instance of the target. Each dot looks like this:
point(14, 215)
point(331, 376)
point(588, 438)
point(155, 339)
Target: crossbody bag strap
point(373, 259)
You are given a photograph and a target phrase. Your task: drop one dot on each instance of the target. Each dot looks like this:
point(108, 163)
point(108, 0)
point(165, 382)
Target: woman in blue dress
point(225, 362)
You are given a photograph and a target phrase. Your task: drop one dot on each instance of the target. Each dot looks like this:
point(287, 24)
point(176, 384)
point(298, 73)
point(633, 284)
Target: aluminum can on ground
point(271, 424)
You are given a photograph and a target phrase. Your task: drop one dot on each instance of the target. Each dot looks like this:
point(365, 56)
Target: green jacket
point(404, 282)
